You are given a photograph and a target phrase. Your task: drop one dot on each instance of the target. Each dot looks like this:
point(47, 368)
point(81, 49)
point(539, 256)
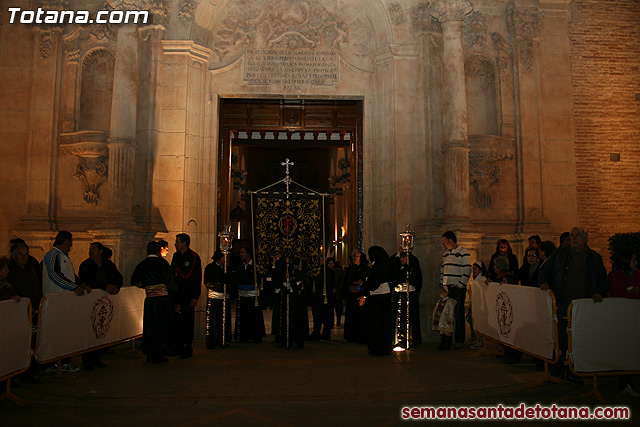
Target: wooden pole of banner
point(12, 397)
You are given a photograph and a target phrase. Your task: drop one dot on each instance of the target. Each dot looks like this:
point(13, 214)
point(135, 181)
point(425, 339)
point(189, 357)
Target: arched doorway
point(323, 138)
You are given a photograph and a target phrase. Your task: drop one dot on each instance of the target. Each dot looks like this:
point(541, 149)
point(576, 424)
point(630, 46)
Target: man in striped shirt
point(454, 274)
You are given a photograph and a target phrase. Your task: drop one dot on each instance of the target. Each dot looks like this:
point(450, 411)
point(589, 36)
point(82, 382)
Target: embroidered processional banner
point(288, 227)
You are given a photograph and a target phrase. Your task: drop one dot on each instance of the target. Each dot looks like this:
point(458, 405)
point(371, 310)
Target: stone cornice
point(186, 47)
point(404, 51)
point(450, 10)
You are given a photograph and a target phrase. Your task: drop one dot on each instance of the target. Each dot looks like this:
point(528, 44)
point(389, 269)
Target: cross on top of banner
point(287, 179)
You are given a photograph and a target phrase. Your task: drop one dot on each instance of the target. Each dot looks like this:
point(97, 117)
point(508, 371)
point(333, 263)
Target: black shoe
point(186, 355)
point(314, 337)
point(99, 364)
point(87, 366)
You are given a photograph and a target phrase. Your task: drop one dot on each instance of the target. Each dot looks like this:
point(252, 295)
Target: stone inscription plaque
point(291, 68)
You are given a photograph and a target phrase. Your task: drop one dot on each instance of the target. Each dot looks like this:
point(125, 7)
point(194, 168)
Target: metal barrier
point(594, 349)
point(15, 342)
point(69, 325)
point(497, 307)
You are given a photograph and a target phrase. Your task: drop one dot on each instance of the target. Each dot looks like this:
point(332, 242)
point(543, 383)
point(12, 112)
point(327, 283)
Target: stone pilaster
point(455, 140)
point(122, 143)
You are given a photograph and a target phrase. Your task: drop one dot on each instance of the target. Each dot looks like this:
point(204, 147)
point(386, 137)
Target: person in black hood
point(377, 302)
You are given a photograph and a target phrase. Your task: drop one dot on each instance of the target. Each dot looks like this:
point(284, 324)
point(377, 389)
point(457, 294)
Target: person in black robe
point(377, 302)
point(187, 269)
point(155, 276)
point(289, 276)
point(401, 264)
point(324, 300)
point(274, 290)
point(99, 272)
point(249, 318)
point(217, 315)
point(355, 323)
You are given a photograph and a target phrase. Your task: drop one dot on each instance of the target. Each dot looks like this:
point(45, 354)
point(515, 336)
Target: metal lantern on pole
point(226, 238)
point(407, 246)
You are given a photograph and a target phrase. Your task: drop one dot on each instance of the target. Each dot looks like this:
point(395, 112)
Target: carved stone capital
point(396, 13)
point(187, 10)
point(422, 22)
point(474, 30)
point(450, 10)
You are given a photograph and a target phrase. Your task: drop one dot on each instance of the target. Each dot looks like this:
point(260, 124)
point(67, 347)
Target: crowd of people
point(374, 292)
point(572, 271)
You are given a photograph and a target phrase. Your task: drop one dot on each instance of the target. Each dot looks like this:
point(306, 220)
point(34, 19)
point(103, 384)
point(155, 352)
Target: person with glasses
point(529, 271)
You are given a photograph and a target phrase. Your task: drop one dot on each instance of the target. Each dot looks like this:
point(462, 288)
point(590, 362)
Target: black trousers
point(459, 294)
point(323, 316)
point(186, 321)
point(158, 327)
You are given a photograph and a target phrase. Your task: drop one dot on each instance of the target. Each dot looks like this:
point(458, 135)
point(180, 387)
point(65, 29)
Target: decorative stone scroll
point(525, 25)
point(482, 179)
point(92, 155)
point(291, 68)
point(93, 174)
point(281, 24)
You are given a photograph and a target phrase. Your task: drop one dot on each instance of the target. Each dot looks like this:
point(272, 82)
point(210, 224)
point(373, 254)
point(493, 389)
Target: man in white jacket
point(59, 275)
point(454, 274)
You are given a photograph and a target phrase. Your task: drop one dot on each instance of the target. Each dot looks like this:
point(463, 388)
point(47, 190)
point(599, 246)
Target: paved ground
point(326, 383)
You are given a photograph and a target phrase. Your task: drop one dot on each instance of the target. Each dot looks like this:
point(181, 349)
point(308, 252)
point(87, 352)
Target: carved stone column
point(455, 145)
point(122, 142)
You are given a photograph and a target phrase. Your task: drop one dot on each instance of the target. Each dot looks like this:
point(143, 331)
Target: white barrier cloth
point(520, 316)
point(15, 336)
point(70, 323)
point(605, 336)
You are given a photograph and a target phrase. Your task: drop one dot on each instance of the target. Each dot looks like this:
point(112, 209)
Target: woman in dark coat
point(377, 302)
point(503, 249)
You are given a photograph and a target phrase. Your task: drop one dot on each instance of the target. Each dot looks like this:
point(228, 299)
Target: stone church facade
point(493, 118)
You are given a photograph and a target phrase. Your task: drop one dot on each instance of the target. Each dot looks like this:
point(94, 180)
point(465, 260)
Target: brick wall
point(605, 49)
